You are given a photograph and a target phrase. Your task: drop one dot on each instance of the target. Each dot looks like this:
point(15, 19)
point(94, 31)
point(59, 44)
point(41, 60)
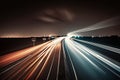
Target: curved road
point(61, 59)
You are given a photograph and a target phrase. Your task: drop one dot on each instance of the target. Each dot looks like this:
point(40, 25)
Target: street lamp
point(33, 40)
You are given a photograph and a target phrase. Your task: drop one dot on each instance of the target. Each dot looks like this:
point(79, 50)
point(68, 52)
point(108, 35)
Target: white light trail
point(104, 24)
point(90, 55)
point(74, 46)
point(96, 54)
point(76, 78)
point(113, 49)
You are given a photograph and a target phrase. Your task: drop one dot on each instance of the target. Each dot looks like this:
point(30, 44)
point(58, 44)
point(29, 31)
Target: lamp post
point(44, 39)
point(33, 40)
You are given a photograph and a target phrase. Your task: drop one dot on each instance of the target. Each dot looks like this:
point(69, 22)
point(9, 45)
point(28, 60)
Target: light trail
point(14, 65)
point(12, 57)
point(76, 52)
point(96, 54)
point(29, 60)
point(103, 24)
point(77, 48)
point(43, 67)
point(113, 49)
point(44, 62)
point(24, 65)
point(73, 67)
point(38, 59)
point(50, 67)
point(41, 59)
point(100, 66)
point(58, 61)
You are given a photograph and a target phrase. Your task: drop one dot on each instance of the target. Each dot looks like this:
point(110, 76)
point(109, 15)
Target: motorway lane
point(86, 63)
point(39, 63)
point(12, 57)
point(59, 59)
point(108, 51)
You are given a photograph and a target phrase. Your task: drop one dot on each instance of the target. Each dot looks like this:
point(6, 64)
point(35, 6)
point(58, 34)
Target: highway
point(63, 58)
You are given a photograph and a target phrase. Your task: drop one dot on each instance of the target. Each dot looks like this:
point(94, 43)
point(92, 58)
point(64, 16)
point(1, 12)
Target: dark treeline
point(8, 45)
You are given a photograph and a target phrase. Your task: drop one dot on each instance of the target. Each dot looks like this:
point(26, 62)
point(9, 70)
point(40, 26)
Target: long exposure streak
point(44, 62)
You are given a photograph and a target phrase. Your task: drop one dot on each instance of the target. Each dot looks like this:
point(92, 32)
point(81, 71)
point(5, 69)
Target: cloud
point(56, 15)
point(47, 19)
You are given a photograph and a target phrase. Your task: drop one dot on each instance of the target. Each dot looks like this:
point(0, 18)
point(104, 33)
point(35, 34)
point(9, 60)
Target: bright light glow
point(69, 35)
point(103, 24)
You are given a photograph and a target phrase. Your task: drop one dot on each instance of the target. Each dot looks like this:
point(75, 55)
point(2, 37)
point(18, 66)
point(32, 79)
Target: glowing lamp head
point(69, 35)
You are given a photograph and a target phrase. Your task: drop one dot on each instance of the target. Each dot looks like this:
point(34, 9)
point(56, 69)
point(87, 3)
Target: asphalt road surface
point(63, 58)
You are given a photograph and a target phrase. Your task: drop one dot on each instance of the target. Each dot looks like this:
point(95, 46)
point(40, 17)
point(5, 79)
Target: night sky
point(26, 18)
